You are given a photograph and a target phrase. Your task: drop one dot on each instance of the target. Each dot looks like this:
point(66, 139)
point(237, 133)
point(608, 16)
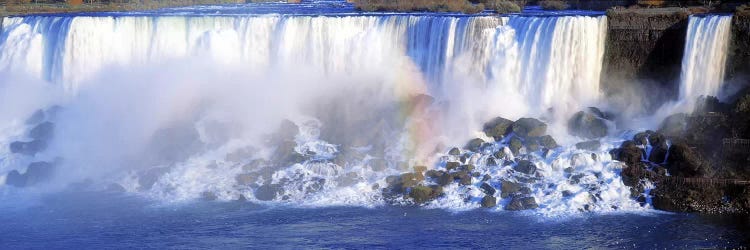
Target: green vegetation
point(502, 6)
point(553, 5)
point(464, 6)
point(25, 7)
point(419, 5)
point(743, 10)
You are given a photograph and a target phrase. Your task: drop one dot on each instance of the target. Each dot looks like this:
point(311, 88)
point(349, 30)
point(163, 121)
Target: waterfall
point(704, 60)
point(476, 67)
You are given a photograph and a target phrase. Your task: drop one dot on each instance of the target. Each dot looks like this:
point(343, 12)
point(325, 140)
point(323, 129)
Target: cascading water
point(370, 68)
point(705, 57)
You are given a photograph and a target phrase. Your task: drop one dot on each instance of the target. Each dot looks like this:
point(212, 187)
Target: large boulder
point(515, 145)
point(268, 192)
point(684, 161)
point(548, 142)
point(674, 125)
point(36, 172)
point(587, 124)
point(489, 201)
point(526, 167)
point(629, 153)
point(28, 148)
point(487, 188)
point(421, 194)
point(508, 188)
point(474, 144)
point(497, 128)
point(529, 127)
point(521, 203)
point(43, 131)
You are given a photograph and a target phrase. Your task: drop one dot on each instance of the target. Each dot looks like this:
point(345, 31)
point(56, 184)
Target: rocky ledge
point(699, 161)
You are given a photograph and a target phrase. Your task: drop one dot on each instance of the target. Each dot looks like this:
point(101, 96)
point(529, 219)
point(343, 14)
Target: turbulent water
point(705, 57)
point(180, 107)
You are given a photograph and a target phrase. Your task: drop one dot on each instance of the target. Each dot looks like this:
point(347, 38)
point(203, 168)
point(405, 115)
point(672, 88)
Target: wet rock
point(629, 153)
point(521, 203)
point(489, 201)
point(474, 145)
point(674, 125)
point(659, 148)
point(420, 169)
point(497, 128)
point(209, 196)
point(268, 192)
point(486, 177)
point(452, 165)
point(532, 146)
point(445, 179)
point(454, 152)
point(28, 148)
point(421, 194)
point(467, 168)
point(491, 162)
point(487, 188)
point(146, 179)
point(526, 167)
point(500, 154)
point(684, 161)
point(529, 127)
point(36, 172)
point(464, 179)
point(515, 145)
point(593, 145)
point(507, 188)
point(434, 173)
point(548, 142)
point(36, 118)
point(587, 124)
point(43, 131)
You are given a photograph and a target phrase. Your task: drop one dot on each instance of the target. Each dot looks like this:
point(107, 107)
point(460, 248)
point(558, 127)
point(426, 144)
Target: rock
point(507, 188)
point(147, 178)
point(497, 128)
point(674, 125)
point(452, 165)
point(515, 145)
point(548, 142)
point(474, 145)
point(43, 131)
point(587, 125)
point(684, 161)
point(420, 169)
point(659, 148)
point(629, 153)
point(532, 146)
point(487, 188)
point(465, 179)
point(521, 203)
point(268, 192)
point(434, 173)
point(529, 127)
point(486, 177)
point(593, 145)
point(15, 178)
point(421, 194)
point(36, 118)
point(445, 179)
point(38, 172)
point(526, 167)
point(28, 148)
point(209, 196)
point(489, 201)
point(491, 162)
point(500, 154)
point(454, 152)
point(468, 167)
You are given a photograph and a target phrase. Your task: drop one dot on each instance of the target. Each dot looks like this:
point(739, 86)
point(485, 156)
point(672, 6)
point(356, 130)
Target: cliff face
point(645, 47)
point(739, 52)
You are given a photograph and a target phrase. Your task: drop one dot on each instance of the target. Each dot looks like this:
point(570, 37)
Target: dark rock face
point(529, 127)
point(588, 124)
point(589, 145)
point(644, 45)
point(507, 188)
point(674, 125)
point(548, 142)
point(36, 172)
point(487, 189)
point(521, 203)
point(685, 162)
point(497, 128)
point(422, 194)
point(526, 167)
point(489, 201)
point(629, 153)
point(268, 192)
point(474, 145)
point(739, 53)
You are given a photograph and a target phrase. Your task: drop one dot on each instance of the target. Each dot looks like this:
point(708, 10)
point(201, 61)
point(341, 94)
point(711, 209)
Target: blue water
point(102, 220)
